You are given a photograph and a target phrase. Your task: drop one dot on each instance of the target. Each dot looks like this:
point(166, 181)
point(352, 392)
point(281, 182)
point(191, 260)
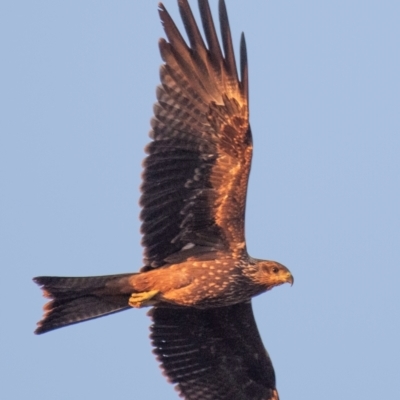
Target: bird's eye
point(275, 270)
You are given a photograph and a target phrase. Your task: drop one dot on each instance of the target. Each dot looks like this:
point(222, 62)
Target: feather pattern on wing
point(214, 354)
point(196, 171)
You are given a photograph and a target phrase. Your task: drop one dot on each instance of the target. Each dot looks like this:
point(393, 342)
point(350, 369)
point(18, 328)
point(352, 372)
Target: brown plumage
point(197, 273)
point(213, 354)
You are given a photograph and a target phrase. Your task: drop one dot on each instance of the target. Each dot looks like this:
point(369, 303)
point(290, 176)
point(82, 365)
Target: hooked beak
point(290, 279)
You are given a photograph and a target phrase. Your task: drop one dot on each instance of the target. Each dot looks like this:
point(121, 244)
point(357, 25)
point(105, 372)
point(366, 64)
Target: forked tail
point(75, 300)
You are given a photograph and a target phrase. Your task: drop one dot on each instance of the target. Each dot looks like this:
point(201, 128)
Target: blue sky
point(76, 90)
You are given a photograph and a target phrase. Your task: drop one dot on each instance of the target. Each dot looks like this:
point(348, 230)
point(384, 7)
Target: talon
point(138, 300)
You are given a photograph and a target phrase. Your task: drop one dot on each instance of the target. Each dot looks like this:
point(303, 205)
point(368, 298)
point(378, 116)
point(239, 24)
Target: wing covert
point(196, 170)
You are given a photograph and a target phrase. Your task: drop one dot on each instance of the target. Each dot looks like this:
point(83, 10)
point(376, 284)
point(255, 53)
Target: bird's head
point(271, 273)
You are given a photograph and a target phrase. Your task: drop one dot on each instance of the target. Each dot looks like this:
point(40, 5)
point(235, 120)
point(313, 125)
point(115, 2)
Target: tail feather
point(76, 300)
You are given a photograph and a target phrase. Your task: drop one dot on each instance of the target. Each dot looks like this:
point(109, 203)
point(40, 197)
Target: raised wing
point(213, 354)
point(196, 171)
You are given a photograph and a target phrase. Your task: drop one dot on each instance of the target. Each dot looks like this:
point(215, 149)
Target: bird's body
point(196, 267)
point(209, 281)
point(217, 282)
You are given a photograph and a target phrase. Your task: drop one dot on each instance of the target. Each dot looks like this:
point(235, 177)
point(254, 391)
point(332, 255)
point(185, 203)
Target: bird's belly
point(203, 294)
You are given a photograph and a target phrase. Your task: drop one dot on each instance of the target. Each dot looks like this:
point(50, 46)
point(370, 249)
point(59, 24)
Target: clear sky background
point(77, 85)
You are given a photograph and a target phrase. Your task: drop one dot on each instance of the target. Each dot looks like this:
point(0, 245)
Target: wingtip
point(222, 10)
point(244, 72)
point(243, 51)
point(242, 39)
point(161, 11)
point(221, 3)
point(227, 42)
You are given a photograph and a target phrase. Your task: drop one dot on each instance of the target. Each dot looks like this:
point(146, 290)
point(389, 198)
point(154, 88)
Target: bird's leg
point(138, 300)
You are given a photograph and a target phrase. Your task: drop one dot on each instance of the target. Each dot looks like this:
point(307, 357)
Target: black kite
point(197, 274)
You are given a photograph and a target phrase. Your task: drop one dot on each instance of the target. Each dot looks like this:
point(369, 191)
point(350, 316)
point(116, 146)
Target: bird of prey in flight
point(197, 275)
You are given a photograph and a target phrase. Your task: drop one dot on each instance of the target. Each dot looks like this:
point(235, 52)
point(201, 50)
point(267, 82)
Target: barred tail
point(75, 300)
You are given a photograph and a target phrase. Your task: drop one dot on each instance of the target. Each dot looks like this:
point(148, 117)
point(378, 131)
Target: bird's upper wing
point(213, 354)
point(196, 171)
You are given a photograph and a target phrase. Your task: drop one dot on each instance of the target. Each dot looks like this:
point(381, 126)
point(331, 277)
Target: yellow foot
point(138, 300)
